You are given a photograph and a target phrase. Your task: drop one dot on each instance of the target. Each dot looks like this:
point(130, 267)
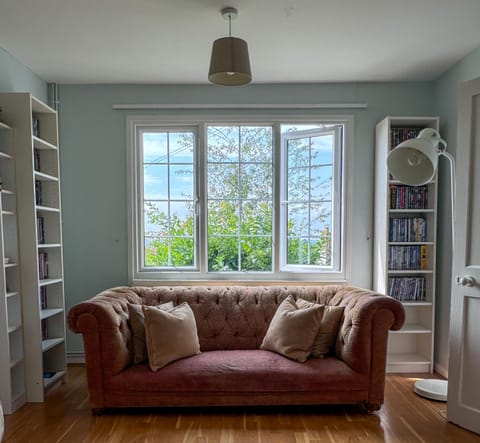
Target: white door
point(464, 365)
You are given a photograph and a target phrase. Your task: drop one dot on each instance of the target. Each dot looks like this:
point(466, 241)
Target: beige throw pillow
point(328, 330)
point(171, 335)
point(293, 329)
point(137, 325)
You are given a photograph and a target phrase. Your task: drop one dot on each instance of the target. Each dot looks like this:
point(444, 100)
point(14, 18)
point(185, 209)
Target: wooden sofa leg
point(98, 411)
point(372, 407)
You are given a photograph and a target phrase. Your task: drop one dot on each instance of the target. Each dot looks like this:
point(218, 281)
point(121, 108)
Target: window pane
point(320, 218)
point(182, 251)
point(223, 218)
point(321, 183)
point(256, 254)
point(223, 180)
point(256, 218)
point(155, 218)
point(298, 153)
point(155, 147)
point(322, 150)
point(155, 182)
point(297, 219)
point(181, 147)
point(223, 143)
point(222, 254)
point(256, 143)
point(256, 181)
point(181, 182)
point(181, 219)
point(298, 184)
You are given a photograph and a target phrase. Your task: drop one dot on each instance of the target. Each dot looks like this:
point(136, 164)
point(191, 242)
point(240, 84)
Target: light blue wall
point(93, 165)
point(16, 77)
point(446, 96)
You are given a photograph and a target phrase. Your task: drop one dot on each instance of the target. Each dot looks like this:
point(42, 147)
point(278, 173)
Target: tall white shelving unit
point(412, 281)
point(40, 240)
point(12, 364)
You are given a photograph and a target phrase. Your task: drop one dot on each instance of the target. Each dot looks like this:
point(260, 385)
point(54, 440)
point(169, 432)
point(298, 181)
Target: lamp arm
point(453, 192)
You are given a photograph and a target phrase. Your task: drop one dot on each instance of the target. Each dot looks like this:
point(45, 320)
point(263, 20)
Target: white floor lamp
point(414, 162)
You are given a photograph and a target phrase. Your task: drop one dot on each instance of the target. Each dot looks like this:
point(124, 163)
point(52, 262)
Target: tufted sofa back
point(235, 317)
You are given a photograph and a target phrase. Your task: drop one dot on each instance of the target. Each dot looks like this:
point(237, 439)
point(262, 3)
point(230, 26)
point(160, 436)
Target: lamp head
point(415, 161)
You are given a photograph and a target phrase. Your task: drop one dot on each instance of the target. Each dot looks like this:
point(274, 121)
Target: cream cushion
point(170, 335)
point(137, 325)
point(293, 329)
point(328, 330)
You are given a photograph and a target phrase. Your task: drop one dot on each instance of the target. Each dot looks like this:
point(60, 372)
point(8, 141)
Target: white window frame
point(138, 274)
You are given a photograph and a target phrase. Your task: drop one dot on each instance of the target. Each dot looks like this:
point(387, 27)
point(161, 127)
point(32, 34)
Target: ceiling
point(293, 41)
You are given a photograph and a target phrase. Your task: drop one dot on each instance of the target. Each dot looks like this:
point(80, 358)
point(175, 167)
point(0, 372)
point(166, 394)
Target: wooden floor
point(66, 417)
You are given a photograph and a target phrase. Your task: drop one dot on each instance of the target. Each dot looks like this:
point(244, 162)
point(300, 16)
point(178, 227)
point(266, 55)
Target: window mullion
point(279, 181)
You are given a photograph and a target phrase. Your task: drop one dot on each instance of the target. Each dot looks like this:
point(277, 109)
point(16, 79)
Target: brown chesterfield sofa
point(231, 369)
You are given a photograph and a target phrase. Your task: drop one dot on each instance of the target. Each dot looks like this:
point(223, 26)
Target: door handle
point(465, 280)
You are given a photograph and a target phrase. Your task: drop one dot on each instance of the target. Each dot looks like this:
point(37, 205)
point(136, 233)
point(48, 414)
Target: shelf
point(39, 107)
point(411, 211)
point(15, 362)
point(409, 271)
point(7, 191)
point(11, 294)
point(10, 265)
point(50, 343)
point(47, 209)
point(39, 143)
point(5, 126)
point(45, 177)
point(47, 382)
point(416, 303)
point(47, 313)
point(13, 328)
point(413, 329)
point(49, 281)
point(48, 245)
point(8, 213)
point(407, 359)
point(5, 156)
point(410, 243)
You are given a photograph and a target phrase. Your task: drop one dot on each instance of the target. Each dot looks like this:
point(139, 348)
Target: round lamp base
point(432, 389)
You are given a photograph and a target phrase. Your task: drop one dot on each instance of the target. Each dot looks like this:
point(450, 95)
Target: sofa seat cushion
point(240, 371)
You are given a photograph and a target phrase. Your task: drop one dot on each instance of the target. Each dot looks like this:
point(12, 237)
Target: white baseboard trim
point(75, 358)
point(440, 369)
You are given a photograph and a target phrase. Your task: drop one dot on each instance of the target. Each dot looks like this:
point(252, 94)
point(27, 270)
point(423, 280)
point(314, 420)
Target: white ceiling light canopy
point(229, 63)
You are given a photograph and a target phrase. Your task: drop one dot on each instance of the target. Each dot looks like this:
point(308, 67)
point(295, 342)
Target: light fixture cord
point(230, 25)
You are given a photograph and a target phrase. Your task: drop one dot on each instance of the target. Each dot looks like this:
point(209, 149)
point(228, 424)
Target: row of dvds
point(40, 229)
point(38, 192)
point(408, 229)
point(408, 197)
point(42, 265)
point(399, 135)
point(36, 159)
point(402, 258)
point(407, 288)
point(43, 297)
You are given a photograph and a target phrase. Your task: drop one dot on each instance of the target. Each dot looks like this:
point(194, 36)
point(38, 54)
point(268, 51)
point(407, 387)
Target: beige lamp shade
point(229, 64)
point(415, 161)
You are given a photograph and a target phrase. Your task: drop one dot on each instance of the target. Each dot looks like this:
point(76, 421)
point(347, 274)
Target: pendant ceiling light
point(229, 64)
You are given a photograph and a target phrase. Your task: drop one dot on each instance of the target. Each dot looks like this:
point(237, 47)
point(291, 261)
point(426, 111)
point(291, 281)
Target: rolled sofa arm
point(362, 339)
point(102, 320)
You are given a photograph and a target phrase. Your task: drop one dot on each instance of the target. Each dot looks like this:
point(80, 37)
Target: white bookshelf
point(40, 241)
point(411, 348)
point(12, 364)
